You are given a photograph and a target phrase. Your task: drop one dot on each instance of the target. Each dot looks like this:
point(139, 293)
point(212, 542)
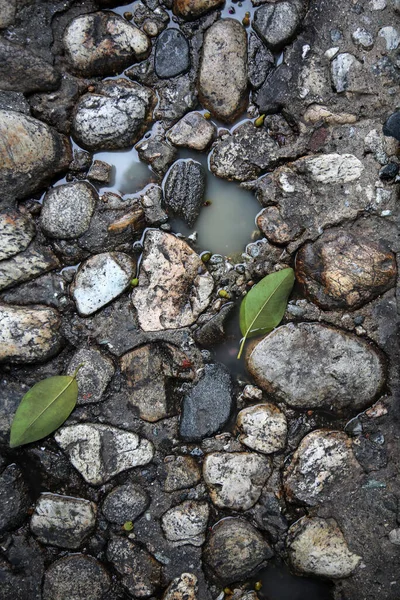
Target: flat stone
point(235, 550)
point(100, 279)
point(192, 9)
point(79, 577)
point(24, 71)
point(184, 189)
point(16, 232)
point(180, 472)
point(276, 91)
point(62, 520)
point(317, 547)
point(262, 427)
point(343, 270)
point(99, 452)
point(114, 117)
point(277, 23)
point(14, 498)
point(207, 407)
point(140, 571)
point(94, 375)
point(363, 38)
point(260, 61)
point(331, 168)
point(186, 523)
point(174, 287)
point(103, 43)
point(183, 587)
point(313, 366)
point(172, 54)
point(222, 80)
point(192, 131)
point(235, 480)
point(157, 153)
point(67, 210)
point(28, 335)
point(125, 503)
point(27, 265)
point(391, 37)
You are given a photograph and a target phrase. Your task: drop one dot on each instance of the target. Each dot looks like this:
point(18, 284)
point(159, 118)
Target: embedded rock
point(192, 131)
point(172, 55)
point(182, 588)
point(260, 61)
point(100, 172)
point(193, 9)
point(125, 503)
point(16, 232)
point(8, 9)
point(262, 427)
point(67, 210)
point(14, 498)
point(180, 472)
point(223, 72)
point(141, 573)
point(186, 523)
point(23, 71)
point(331, 168)
point(345, 68)
point(277, 23)
point(79, 577)
point(27, 265)
point(184, 189)
point(174, 286)
point(93, 376)
point(157, 153)
point(313, 366)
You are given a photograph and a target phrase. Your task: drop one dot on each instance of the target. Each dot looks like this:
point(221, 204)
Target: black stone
point(392, 126)
point(184, 189)
point(260, 61)
point(172, 54)
point(14, 498)
point(389, 172)
point(213, 332)
point(275, 92)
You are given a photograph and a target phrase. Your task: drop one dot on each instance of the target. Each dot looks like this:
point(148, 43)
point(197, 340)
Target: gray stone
point(81, 162)
point(363, 38)
point(49, 289)
point(8, 9)
point(14, 101)
point(212, 332)
point(260, 61)
point(207, 407)
point(391, 37)
point(276, 91)
point(103, 43)
point(125, 503)
point(99, 452)
point(141, 573)
point(16, 232)
point(184, 189)
point(100, 172)
point(262, 427)
point(67, 210)
point(277, 23)
point(157, 153)
point(14, 498)
point(62, 520)
point(312, 366)
point(151, 202)
point(27, 265)
point(114, 117)
point(342, 69)
point(193, 9)
point(192, 131)
point(93, 376)
point(222, 80)
point(186, 523)
point(21, 568)
point(181, 472)
point(175, 98)
point(182, 588)
point(80, 577)
point(172, 56)
point(23, 71)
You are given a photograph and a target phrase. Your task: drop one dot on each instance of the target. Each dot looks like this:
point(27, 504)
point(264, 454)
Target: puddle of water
point(279, 584)
point(130, 175)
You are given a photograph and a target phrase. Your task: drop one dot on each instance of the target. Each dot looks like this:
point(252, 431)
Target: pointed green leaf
point(265, 304)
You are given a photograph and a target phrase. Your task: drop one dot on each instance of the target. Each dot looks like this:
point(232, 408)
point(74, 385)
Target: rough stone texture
point(151, 203)
point(174, 287)
point(313, 366)
point(277, 23)
point(318, 547)
point(31, 153)
point(63, 521)
point(222, 81)
point(345, 71)
point(181, 472)
point(114, 117)
point(125, 503)
point(99, 452)
point(184, 189)
point(16, 232)
point(103, 43)
point(192, 9)
point(100, 172)
point(235, 479)
point(182, 588)
point(93, 376)
point(101, 279)
point(21, 569)
point(80, 577)
point(26, 265)
point(235, 550)
point(8, 9)
point(186, 523)
point(14, 498)
point(175, 98)
point(341, 270)
point(260, 61)
point(208, 406)
point(23, 71)
point(28, 334)
point(192, 131)
point(172, 56)
point(262, 427)
point(140, 571)
point(157, 153)
point(67, 210)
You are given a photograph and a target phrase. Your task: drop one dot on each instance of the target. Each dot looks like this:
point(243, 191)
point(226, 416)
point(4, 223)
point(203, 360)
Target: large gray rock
point(277, 23)
point(223, 72)
point(16, 232)
point(23, 71)
point(79, 577)
point(67, 210)
point(27, 265)
point(184, 189)
point(125, 503)
point(313, 366)
point(141, 573)
point(172, 54)
point(192, 131)
point(14, 498)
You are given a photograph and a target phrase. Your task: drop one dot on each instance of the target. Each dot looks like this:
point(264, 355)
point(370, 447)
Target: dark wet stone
point(80, 577)
point(100, 172)
point(21, 570)
point(49, 289)
point(14, 101)
point(213, 331)
point(141, 573)
point(157, 153)
point(260, 61)
point(125, 503)
point(34, 261)
point(389, 172)
point(172, 54)
point(11, 393)
point(184, 189)
point(275, 92)
point(14, 498)
point(277, 23)
point(81, 161)
point(23, 71)
point(391, 127)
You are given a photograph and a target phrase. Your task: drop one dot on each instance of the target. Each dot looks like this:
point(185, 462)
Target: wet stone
point(100, 172)
point(93, 376)
point(103, 43)
point(313, 366)
point(182, 588)
point(26, 265)
point(278, 22)
point(260, 61)
point(184, 189)
point(181, 472)
point(172, 54)
point(175, 98)
point(8, 9)
point(235, 550)
point(192, 9)
point(14, 498)
point(99, 452)
point(49, 289)
point(151, 202)
point(63, 521)
point(275, 93)
point(140, 571)
point(21, 569)
point(186, 523)
point(81, 161)
point(79, 576)
point(14, 100)
point(16, 232)
point(125, 503)
point(157, 153)
point(192, 131)
point(263, 428)
point(67, 210)
point(235, 480)
point(391, 126)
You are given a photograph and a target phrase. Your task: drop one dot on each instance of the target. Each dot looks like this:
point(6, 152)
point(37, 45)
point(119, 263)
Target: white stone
point(362, 37)
point(394, 536)
point(332, 168)
point(182, 588)
point(192, 131)
point(378, 4)
point(67, 210)
point(391, 37)
point(331, 52)
point(340, 69)
point(186, 523)
point(263, 428)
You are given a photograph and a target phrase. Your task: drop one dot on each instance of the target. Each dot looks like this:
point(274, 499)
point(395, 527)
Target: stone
point(174, 286)
point(317, 112)
point(317, 547)
point(16, 232)
point(184, 189)
point(276, 91)
point(99, 452)
point(192, 131)
point(343, 270)
point(260, 61)
point(28, 335)
point(235, 480)
point(222, 80)
point(27, 265)
point(67, 210)
point(213, 331)
point(208, 406)
point(94, 375)
point(182, 588)
point(80, 577)
point(14, 100)
point(391, 37)
point(140, 571)
point(331, 168)
point(181, 472)
point(103, 43)
point(193, 9)
point(8, 9)
point(235, 550)
point(277, 23)
point(114, 117)
point(391, 126)
point(389, 172)
point(176, 97)
point(313, 366)
point(14, 498)
point(49, 289)
point(172, 55)
point(151, 202)
point(394, 536)
point(363, 38)
point(62, 520)
point(100, 279)
point(31, 154)
point(342, 70)
point(157, 153)
point(186, 523)
point(263, 428)
point(125, 503)
point(81, 162)
point(24, 71)
point(275, 229)
point(21, 568)
point(100, 172)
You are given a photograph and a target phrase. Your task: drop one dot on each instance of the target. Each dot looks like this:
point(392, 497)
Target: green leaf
point(43, 409)
point(262, 309)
